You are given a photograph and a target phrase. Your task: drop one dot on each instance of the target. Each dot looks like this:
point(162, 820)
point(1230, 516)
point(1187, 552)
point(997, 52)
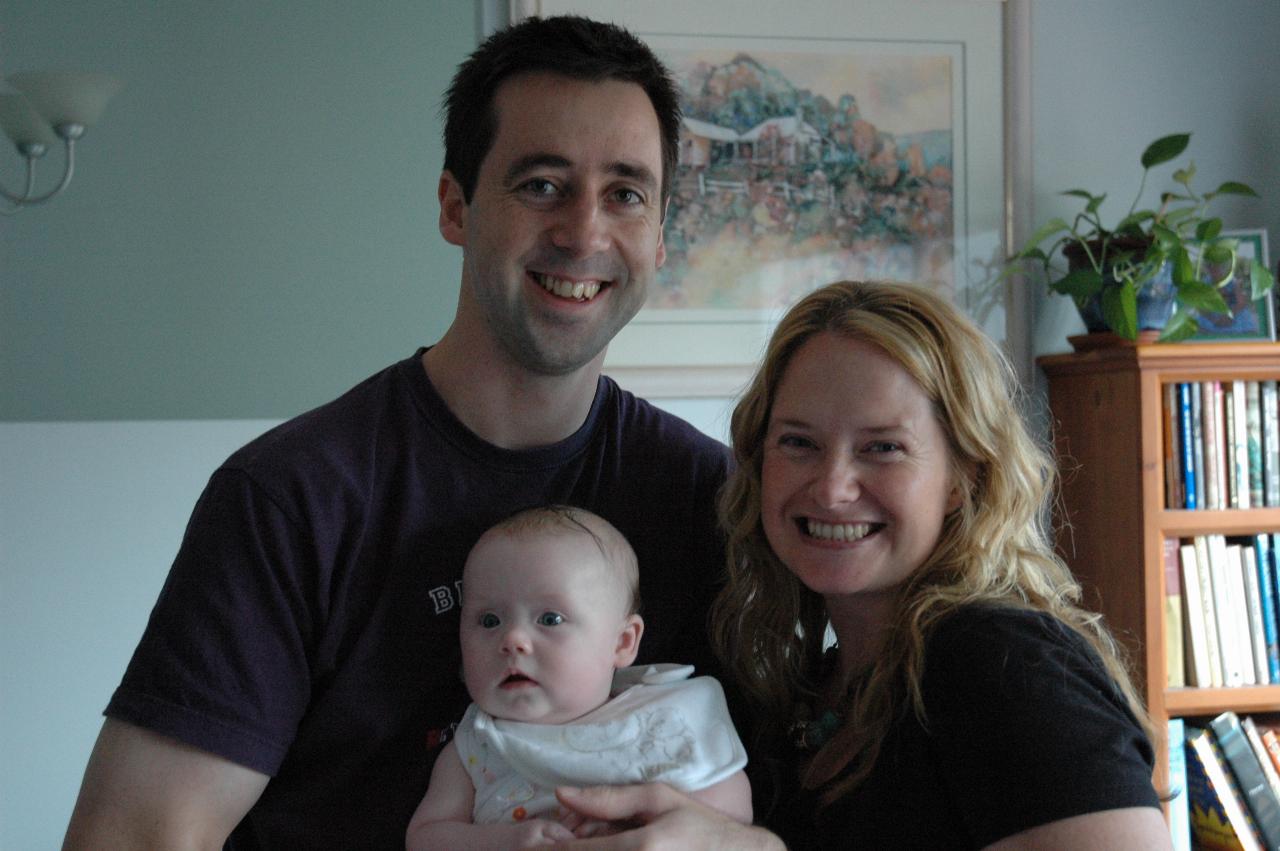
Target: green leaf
point(1120, 309)
point(1261, 279)
point(1182, 326)
point(1184, 271)
point(1130, 223)
point(1200, 296)
point(1184, 175)
point(1046, 230)
point(1166, 236)
point(1078, 283)
point(1218, 252)
point(1081, 193)
point(1232, 187)
point(1164, 149)
point(1208, 229)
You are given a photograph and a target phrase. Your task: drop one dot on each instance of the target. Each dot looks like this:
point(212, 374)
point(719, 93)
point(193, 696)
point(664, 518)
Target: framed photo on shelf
point(1249, 320)
point(820, 141)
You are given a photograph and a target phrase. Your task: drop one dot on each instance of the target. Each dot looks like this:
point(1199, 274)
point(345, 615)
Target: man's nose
point(581, 226)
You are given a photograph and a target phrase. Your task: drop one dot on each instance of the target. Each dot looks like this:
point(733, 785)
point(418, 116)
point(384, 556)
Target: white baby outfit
point(660, 726)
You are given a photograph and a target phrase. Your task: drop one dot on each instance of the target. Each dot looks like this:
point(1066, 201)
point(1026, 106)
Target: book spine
point(1170, 424)
point(1254, 736)
point(1210, 430)
point(1271, 444)
point(1267, 590)
point(1175, 663)
point(1253, 441)
point(1230, 446)
point(1227, 613)
point(1240, 444)
point(1199, 672)
point(1219, 815)
point(1262, 802)
point(1257, 626)
point(1273, 747)
point(1220, 447)
point(1186, 442)
point(1179, 805)
point(1208, 597)
point(1197, 439)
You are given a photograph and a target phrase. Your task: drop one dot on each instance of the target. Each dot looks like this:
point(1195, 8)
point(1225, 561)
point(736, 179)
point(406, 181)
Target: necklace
point(808, 735)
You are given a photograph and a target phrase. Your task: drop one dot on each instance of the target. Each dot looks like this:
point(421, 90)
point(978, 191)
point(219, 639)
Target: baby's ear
point(628, 641)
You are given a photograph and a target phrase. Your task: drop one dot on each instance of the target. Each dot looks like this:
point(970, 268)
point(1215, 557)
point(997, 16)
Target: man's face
point(563, 234)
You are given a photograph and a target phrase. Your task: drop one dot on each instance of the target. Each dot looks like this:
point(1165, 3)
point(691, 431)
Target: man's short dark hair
point(569, 45)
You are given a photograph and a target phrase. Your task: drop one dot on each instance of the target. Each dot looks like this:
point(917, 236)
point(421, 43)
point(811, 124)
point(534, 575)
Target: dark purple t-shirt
point(308, 628)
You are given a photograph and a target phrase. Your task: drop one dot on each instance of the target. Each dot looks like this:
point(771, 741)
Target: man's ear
point(628, 641)
point(453, 210)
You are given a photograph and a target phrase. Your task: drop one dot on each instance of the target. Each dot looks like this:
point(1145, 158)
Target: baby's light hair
point(613, 545)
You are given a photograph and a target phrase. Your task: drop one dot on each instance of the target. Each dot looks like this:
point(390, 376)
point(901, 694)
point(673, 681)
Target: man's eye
point(629, 196)
point(540, 186)
point(550, 619)
point(490, 621)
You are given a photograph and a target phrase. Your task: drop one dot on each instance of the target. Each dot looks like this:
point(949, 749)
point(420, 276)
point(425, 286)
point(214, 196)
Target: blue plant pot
point(1155, 305)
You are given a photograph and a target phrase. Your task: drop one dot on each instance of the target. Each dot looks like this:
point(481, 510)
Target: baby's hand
point(584, 827)
point(538, 833)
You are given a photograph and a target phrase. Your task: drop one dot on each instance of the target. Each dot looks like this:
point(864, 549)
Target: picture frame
point(704, 329)
point(1250, 320)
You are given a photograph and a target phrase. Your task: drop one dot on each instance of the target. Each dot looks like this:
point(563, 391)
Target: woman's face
point(856, 474)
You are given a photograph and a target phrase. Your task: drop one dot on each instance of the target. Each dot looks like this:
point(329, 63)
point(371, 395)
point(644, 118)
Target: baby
point(550, 622)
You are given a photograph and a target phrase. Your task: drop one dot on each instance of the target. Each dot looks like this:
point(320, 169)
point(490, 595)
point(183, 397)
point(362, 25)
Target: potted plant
point(1132, 276)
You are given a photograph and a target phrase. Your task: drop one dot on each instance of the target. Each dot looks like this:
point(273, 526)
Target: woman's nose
point(835, 482)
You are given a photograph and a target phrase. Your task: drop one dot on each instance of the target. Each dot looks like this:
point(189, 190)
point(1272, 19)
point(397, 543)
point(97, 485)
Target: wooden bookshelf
point(1105, 404)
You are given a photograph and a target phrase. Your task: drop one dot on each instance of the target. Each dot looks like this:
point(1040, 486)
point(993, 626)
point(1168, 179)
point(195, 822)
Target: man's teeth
point(580, 290)
point(837, 531)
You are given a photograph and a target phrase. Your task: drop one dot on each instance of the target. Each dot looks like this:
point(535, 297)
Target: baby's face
point(544, 625)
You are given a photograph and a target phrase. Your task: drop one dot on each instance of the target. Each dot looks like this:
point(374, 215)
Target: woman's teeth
point(837, 531)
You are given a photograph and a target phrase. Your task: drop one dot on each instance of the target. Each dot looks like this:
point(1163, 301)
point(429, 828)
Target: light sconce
point(41, 107)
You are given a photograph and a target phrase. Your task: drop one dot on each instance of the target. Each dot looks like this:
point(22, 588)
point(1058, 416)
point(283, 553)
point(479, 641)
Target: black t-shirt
point(308, 628)
point(1025, 727)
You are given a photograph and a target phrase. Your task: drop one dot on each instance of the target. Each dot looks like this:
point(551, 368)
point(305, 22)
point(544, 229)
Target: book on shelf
point(1179, 808)
point(1254, 735)
point(1208, 409)
point(1197, 438)
point(1262, 802)
point(1229, 612)
point(1174, 651)
point(1253, 599)
point(1253, 441)
point(1232, 444)
point(1209, 606)
point(1270, 608)
point(1272, 743)
point(1219, 817)
point(1270, 444)
point(1176, 410)
point(1199, 673)
point(1221, 448)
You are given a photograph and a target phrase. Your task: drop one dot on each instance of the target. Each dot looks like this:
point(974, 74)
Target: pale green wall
point(1110, 77)
point(252, 226)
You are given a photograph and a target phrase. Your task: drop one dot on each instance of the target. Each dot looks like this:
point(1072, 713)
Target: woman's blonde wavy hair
point(995, 549)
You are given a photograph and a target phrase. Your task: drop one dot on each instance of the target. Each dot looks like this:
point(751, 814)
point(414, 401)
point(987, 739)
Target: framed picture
point(829, 140)
point(1249, 320)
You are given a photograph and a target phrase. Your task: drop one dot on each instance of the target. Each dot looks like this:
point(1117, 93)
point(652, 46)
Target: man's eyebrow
point(529, 163)
point(632, 171)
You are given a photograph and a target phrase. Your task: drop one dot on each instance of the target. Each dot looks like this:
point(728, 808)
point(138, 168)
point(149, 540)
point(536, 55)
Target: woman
point(888, 488)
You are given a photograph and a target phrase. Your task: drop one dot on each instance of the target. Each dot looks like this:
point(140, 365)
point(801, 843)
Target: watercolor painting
point(797, 169)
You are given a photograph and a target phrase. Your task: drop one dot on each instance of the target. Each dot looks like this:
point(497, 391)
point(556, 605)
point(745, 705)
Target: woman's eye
point(550, 619)
point(793, 441)
point(489, 620)
point(883, 446)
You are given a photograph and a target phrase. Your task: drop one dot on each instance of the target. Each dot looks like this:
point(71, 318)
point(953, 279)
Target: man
point(301, 666)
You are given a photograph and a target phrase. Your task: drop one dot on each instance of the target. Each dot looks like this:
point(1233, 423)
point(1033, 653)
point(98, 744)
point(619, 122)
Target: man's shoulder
point(348, 425)
point(643, 426)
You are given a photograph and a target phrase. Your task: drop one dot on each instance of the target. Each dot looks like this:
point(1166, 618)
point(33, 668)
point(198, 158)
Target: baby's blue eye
point(550, 619)
point(489, 620)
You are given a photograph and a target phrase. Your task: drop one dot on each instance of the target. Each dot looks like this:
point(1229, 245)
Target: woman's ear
point(628, 641)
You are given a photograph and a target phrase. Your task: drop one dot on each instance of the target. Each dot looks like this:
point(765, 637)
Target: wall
point(252, 229)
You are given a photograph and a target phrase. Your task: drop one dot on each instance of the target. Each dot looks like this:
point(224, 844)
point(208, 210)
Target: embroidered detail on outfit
point(809, 736)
